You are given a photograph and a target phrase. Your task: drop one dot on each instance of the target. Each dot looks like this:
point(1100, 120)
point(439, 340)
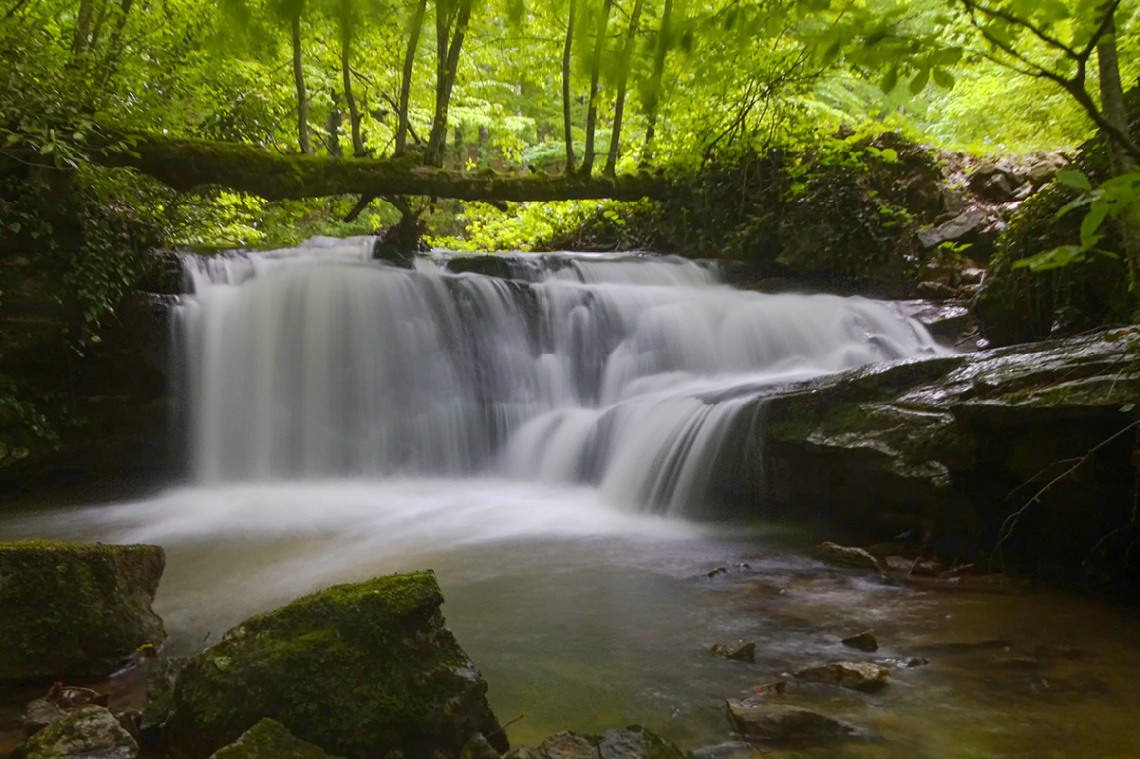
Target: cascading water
point(618, 371)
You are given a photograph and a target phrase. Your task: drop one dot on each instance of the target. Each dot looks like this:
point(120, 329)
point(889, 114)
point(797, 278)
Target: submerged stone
point(859, 675)
point(864, 641)
point(360, 670)
point(739, 650)
point(785, 724)
point(88, 733)
point(73, 610)
point(269, 739)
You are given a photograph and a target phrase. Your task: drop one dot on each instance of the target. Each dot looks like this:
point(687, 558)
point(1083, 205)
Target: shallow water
point(583, 616)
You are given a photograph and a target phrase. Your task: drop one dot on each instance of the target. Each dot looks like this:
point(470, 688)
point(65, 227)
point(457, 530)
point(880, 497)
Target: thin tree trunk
point(595, 72)
point(82, 38)
point(302, 95)
point(332, 128)
point(567, 121)
point(346, 79)
point(623, 80)
point(1120, 159)
point(406, 80)
point(654, 96)
point(448, 69)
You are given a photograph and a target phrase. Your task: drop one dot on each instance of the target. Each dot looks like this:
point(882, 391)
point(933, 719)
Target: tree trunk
point(302, 96)
point(189, 164)
point(1120, 159)
point(448, 69)
point(406, 80)
point(623, 80)
point(332, 128)
point(567, 121)
point(82, 40)
point(654, 95)
point(346, 79)
point(595, 73)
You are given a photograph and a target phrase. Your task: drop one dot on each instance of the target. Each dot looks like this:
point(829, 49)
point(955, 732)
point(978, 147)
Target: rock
point(784, 724)
point(633, 742)
point(75, 610)
point(937, 290)
point(360, 670)
point(91, 732)
point(860, 675)
point(40, 713)
point(269, 739)
point(956, 229)
point(738, 650)
point(489, 265)
point(728, 750)
point(920, 567)
point(845, 556)
point(522, 752)
point(161, 677)
point(567, 745)
point(907, 663)
point(1045, 169)
point(478, 747)
point(864, 641)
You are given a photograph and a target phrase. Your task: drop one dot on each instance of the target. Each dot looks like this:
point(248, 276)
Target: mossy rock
point(73, 610)
point(359, 670)
point(633, 742)
point(269, 739)
point(88, 733)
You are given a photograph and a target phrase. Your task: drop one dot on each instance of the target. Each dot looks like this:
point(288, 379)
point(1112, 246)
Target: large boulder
point(633, 742)
point(88, 733)
point(72, 610)
point(359, 670)
point(948, 448)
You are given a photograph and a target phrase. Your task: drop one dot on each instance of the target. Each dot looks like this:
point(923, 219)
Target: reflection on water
point(585, 617)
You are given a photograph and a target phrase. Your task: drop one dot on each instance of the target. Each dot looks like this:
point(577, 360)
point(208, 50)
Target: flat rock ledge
point(75, 610)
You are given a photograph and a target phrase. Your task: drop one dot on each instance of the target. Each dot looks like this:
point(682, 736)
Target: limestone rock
point(75, 610)
point(88, 733)
point(360, 670)
point(782, 724)
point(845, 556)
point(738, 650)
point(859, 675)
point(269, 739)
point(864, 641)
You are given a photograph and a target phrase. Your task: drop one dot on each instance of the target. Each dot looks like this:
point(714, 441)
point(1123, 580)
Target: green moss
point(357, 669)
point(72, 609)
point(269, 739)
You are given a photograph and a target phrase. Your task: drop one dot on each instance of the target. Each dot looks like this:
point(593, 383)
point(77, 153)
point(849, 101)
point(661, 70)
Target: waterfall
point(621, 371)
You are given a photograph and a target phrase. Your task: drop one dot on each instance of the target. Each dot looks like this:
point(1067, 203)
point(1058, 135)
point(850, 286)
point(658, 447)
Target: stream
point(550, 446)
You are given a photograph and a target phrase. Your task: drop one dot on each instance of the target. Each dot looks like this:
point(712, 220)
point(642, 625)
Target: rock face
point(269, 739)
point(88, 733)
point(784, 724)
point(937, 446)
point(360, 670)
point(75, 610)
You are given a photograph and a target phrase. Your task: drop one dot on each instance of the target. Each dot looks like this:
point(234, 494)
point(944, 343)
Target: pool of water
point(583, 616)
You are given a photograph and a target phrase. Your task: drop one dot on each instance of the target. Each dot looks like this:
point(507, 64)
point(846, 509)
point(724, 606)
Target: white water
point(616, 371)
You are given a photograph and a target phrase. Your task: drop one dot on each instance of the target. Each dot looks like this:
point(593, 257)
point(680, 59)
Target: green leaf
point(889, 155)
point(943, 78)
point(1091, 223)
point(1075, 179)
point(919, 82)
point(890, 80)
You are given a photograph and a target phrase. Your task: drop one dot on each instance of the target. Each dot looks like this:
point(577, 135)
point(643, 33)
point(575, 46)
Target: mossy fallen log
point(186, 164)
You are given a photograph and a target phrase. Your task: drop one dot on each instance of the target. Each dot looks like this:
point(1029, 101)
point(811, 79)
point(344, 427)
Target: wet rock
point(478, 747)
point(718, 571)
point(860, 675)
point(903, 663)
point(738, 650)
point(845, 556)
point(489, 265)
point(360, 670)
point(957, 229)
point(633, 742)
point(40, 713)
point(91, 732)
point(930, 289)
point(161, 678)
point(784, 724)
point(269, 739)
point(921, 567)
point(75, 610)
point(864, 641)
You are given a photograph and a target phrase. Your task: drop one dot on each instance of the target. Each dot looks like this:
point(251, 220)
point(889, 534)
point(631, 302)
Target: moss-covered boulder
point(72, 610)
point(88, 733)
point(359, 670)
point(269, 739)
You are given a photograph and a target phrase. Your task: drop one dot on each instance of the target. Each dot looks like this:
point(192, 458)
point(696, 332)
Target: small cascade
point(622, 371)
